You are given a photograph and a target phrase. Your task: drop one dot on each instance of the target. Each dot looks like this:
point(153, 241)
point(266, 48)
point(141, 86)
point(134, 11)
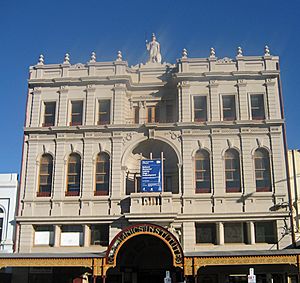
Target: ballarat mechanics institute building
point(129, 172)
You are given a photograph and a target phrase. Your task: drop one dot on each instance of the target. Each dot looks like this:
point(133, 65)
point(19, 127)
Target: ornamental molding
point(144, 229)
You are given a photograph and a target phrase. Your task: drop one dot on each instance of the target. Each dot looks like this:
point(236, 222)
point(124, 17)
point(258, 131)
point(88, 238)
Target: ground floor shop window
point(71, 235)
point(100, 235)
point(265, 232)
point(43, 235)
point(206, 233)
point(235, 233)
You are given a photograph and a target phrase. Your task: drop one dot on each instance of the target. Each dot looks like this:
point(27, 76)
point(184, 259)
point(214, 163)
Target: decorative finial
point(212, 52)
point(93, 57)
point(184, 53)
point(119, 56)
point(267, 51)
point(239, 51)
point(67, 59)
point(41, 60)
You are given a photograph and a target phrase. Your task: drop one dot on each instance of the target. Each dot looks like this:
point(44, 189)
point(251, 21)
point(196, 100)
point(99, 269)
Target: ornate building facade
point(217, 126)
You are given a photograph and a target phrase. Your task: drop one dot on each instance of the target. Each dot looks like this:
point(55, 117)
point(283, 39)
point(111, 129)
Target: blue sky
point(54, 27)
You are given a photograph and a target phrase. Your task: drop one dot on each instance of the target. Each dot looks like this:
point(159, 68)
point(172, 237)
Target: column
point(86, 235)
point(57, 231)
point(251, 233)
point(90, 105)
point(214, 99)
point(220, 233)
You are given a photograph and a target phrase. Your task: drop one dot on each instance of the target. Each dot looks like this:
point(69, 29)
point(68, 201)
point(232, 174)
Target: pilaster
point(243, 100)
point(90, 105)
point(36, 107)
point(63, 106)
point(185, 102)
point(273, 107)
point(214, 101)
point(220, 233)
point(119, 104)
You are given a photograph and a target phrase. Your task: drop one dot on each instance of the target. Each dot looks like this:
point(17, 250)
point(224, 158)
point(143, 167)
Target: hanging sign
point(151, 175)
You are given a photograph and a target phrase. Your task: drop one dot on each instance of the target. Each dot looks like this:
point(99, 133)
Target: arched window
point(102, 174)
point(202, 172)
point(262, 170)
point(45, 176)
point(74, 172)
point(232, 171)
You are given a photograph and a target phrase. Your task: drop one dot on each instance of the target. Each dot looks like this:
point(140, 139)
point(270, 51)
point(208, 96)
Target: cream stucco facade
point(152, 111)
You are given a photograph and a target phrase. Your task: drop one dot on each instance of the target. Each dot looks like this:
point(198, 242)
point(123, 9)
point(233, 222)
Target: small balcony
point(153, 203)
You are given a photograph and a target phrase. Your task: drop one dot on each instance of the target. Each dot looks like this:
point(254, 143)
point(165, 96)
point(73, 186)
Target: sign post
point(251, 276)
point(151, 175)
point(167, 279)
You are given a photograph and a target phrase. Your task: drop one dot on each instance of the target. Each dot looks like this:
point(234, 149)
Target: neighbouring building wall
point(8, 197)
point(294, 167)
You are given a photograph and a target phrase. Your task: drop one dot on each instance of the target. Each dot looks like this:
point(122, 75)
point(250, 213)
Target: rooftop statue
point(154, 50)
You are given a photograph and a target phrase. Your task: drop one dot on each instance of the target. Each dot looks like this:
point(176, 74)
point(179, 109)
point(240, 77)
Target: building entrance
point(143, 259)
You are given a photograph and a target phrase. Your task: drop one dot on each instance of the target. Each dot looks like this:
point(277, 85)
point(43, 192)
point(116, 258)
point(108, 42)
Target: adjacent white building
point(8, 202)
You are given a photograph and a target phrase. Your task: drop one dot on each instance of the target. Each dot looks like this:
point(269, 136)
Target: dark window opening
point(229, 111)
point(206, 233)
point(100, 235)
point(102, 174)
point(49, 114)
point(257, 107)
point(104, 112)
point(200, 109)
point(76, 113)
point(232, 171)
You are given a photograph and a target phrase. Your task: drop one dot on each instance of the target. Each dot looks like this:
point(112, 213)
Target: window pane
point(229, 112)
point(262, 170)
point(74, 171)
point(49, 115)
point(257, 107)
point(200, 109)
point(102, 173)
point(202, 171)
point(104, 112)
point(76, 115)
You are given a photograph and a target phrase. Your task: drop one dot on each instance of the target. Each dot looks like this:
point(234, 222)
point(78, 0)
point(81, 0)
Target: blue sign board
point(151, 175)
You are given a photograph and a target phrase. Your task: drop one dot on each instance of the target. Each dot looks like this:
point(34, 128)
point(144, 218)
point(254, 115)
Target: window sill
point(202, 191)
point(47, 125)
point(100, 193)
point(71, 194)
point(233, 190)
point(263, 190)
point(43, 194)
point(103, 123)
point(75, 124)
